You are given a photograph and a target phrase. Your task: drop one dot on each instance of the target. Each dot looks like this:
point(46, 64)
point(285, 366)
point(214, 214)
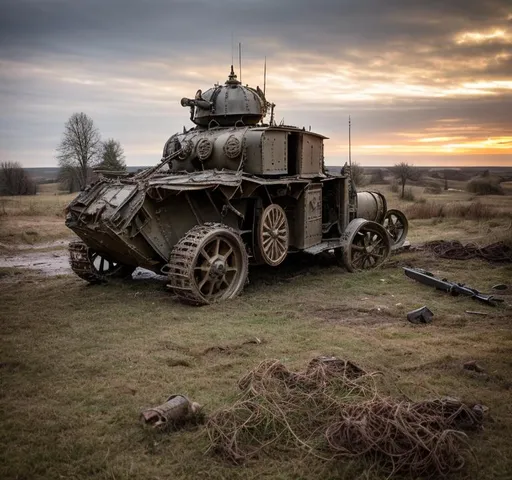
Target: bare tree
point(69, 179)
point(403, 172)
point(79, 149)
point(112, 156)
point(14, 180)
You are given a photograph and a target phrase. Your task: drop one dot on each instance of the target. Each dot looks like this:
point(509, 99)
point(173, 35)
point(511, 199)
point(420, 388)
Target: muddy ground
point(49, 259)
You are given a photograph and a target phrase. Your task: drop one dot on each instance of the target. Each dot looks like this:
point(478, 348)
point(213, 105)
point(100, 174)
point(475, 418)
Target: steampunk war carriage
point(229, 192)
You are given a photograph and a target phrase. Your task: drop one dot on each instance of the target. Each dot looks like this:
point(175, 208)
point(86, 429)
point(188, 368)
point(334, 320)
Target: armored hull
point(226, 196)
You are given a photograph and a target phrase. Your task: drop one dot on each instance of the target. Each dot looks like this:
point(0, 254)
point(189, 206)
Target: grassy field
point(33, 219)
point(79, 362)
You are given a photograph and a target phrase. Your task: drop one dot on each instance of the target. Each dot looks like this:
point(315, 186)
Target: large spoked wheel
point(208, 264)
point(365, 245)
point(273, 235)
point(396, 224)
point(95, 267)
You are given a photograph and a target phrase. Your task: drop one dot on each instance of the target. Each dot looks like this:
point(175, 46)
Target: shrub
point(409, 195)
point(394, 187)
point(484, 186)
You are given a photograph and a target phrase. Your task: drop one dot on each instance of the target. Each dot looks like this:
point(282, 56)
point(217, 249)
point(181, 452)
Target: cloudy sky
point(429, 82)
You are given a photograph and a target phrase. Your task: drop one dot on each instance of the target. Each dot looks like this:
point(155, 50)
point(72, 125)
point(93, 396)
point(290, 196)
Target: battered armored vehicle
point(229, 192)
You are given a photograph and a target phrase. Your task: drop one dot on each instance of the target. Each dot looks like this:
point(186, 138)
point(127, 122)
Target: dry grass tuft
point(473, 210)
point(334, 411)
point(34, 206)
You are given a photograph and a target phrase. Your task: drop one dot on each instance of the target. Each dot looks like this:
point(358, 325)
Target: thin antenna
point(240, 59)
point(265, 76)
point(232, 49)
point(349, 144)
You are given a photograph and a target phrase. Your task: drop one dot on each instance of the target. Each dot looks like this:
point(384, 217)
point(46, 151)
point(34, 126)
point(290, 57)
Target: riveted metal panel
point(266, 152)
point(312, 154)
point(274, 150)
point(308, 226)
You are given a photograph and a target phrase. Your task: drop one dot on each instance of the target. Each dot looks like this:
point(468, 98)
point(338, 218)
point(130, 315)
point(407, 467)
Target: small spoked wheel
point(396, 224)
point(365, 245)
point(103, 266)
point(95, 267)
point(273, 235)
point(208, 264)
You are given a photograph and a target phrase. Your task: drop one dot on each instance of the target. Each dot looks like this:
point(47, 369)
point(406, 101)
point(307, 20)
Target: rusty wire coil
point(454, 250)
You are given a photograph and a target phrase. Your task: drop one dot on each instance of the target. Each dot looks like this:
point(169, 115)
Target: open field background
point(79, 362)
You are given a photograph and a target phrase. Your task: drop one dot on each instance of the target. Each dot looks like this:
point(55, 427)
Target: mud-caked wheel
point(396, 224)
point(208, 264)
point(364, 245)
point(273, 235)
point(95, 267)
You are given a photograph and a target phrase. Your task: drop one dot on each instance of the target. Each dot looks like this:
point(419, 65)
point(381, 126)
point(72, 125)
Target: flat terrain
point(79, 362)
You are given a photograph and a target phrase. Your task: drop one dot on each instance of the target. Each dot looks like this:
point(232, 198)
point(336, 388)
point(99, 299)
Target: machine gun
point(428, 278)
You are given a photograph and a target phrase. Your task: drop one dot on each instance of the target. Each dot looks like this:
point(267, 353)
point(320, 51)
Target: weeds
point(409, 195)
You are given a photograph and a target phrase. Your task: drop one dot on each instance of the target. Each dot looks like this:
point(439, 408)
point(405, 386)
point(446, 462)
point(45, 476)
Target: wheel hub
point(217, 269)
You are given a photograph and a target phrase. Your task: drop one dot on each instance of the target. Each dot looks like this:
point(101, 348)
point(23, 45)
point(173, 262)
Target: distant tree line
point(82, 151)
point(14, 180)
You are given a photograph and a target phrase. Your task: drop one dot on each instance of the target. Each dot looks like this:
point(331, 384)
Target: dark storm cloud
point(127, 63)
point(176, 27)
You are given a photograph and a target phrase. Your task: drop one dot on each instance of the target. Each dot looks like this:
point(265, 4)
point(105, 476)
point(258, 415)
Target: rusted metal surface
point(227, 192)
point(94, 267)
point(397, 226)
point(176, 409)
point(364, 245)
point(209, 264)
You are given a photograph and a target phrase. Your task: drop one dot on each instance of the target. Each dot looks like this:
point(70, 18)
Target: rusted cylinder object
point(177, 408)
point(371, 206)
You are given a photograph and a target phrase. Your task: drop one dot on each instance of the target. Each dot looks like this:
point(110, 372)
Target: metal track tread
point(80, 263)
point(81, 259)
point(184, 256)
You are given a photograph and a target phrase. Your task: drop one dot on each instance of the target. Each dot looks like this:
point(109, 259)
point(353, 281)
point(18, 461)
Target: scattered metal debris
point(176, 409)
point(494, 252)
point(428, 278)
point(420, 315)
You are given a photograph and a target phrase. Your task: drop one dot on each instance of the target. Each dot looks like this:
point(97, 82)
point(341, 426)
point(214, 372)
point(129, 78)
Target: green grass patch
point(79, 362)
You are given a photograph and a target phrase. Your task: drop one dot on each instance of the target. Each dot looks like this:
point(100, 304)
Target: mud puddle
point(54, 262)
point(37, 246)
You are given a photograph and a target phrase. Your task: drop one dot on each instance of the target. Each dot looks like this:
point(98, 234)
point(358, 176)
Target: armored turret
point(231, 104)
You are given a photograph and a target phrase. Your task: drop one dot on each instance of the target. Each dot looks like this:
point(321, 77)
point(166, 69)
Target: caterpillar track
point(83, 263)
point(208, 264)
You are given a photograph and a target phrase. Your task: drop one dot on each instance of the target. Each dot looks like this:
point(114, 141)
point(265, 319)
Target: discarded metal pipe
point(177, 408)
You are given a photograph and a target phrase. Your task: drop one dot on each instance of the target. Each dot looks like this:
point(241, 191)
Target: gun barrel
point(429, 279)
